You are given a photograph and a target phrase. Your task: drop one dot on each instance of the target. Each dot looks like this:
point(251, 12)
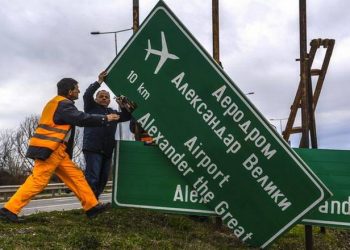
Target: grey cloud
point(45, 40)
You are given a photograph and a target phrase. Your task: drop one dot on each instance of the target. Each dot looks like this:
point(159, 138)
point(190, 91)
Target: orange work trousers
point(60, 164)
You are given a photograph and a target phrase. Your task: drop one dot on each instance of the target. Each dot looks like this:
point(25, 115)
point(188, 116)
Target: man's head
point(103, 98)
point(68, 87)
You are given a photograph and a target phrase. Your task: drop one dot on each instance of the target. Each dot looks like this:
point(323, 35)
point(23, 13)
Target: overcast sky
point(44, 40)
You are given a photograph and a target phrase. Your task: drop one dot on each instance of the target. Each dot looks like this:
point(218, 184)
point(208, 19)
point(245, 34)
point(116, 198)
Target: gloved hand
point(124, 102)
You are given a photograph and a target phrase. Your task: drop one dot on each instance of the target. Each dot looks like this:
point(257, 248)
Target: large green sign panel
point(211, 133)
point(144, 178)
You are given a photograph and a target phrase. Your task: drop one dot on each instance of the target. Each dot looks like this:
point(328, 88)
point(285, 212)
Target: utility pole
point(135, 14)
point(215, 25)
point(216, 54)
point(303, 75)
point(307, 110)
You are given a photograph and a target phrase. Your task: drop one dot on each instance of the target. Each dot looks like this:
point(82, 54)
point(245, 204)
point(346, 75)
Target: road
point(56, 204)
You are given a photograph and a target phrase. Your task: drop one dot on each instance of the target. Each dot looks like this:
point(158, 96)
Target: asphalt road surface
point(56, 204)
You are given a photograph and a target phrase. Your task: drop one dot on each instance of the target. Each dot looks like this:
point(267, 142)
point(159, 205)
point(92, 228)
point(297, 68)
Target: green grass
point(140, 229)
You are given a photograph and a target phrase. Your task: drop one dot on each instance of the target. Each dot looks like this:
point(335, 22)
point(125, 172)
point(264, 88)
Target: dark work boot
point(96, 210)
point(9, 216)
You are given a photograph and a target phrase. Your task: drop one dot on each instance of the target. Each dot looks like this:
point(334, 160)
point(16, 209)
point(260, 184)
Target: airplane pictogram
point(163, 54)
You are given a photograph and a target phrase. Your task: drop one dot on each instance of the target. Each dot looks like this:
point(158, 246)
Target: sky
point(43, 41)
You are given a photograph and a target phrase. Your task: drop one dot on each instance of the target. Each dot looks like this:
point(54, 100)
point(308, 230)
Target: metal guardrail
point(53, 189)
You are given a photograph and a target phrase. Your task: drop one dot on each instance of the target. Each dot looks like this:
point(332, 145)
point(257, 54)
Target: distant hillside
point(140, 229)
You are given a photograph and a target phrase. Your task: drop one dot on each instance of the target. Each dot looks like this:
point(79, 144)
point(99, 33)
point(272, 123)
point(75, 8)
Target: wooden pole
point(135, 14)
point(215, 25)
point(216, 54)
point(305, 110)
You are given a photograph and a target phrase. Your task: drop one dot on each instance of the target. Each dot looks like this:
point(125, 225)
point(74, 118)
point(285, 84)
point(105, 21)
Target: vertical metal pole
point(119, 109)
point(304, 78)
point(215, 20)
point(135, 13)
point(135, 27)
point(116, 43)
point(281, 126)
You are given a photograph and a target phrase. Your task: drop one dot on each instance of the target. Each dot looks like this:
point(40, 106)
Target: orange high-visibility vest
point(48, 134)
point(146, 139)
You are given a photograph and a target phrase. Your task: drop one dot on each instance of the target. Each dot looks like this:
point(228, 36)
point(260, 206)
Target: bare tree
point(21, 138)
point(14, 145)
point(5, 148)
point(10, 164)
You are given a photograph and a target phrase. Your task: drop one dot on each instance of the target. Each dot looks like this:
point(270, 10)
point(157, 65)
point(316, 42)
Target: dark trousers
point(97, 171)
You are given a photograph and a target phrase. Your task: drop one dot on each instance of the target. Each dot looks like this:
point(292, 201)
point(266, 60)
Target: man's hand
point(119, 100)
point(112, 117)
point(102, 77)
point(125, 103)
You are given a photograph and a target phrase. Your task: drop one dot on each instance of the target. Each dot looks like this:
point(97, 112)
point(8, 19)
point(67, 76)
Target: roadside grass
point(141, 229)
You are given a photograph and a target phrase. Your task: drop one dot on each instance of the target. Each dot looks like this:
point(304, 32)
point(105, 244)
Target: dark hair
point(64, 85)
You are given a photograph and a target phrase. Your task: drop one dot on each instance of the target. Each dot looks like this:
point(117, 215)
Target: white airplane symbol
point(163, 54)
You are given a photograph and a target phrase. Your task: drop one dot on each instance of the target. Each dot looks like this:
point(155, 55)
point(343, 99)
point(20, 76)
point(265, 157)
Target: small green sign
point(144, 178)
point(333, 168)
point(214, 137)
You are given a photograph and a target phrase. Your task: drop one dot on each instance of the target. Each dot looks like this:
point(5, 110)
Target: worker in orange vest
point(51, 147)
point(140, 134)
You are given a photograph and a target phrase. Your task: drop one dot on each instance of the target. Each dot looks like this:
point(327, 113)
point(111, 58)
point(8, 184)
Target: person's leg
point(106, 167)
point(35, 183)
point(74, 178)
point(93, 170)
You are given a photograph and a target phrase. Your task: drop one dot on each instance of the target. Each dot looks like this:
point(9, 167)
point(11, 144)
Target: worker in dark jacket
point(98, 143)
point(51, 148)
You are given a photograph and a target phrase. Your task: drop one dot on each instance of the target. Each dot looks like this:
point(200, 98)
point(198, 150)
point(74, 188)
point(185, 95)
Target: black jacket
point(100, 139)
point(67, 113)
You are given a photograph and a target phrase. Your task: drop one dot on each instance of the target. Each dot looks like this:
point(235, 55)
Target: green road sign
point(333, 168)
point(212, 134)
point(145, 179)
